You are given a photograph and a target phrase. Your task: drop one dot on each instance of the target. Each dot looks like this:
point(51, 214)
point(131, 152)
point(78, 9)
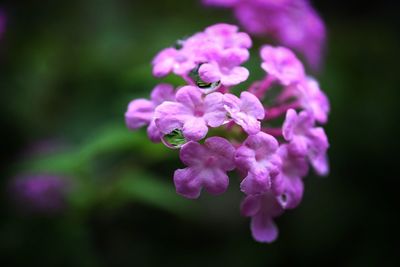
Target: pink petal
point(153, 132)
point(223, 150)
point(209, 72)
point(249, 124)
point(170, 116)
point(140, 112)
point(164, 61)
point(215, 114)
point(250, 206)
point(289, 124)
point(192, 154)
point(189, 96)
point(321, 165)
point(215, 180)
point(162, 92)
point(255, 184)
point(194, 128)
point(251, 105)
point(235, 76)
point(187, 182)
point(263, 228)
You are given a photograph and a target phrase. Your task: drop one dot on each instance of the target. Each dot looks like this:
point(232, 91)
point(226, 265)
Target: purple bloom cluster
point(293, 23)
point(3, 21)
point(44, 194)
point(218, 132)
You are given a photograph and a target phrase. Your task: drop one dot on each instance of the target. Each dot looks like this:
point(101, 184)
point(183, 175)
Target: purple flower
point(228, 36)
point(221, 3)
point(170, 59)
point(192, 113)
point(40, 193)
point(207, 167)
point(306, 139)
point(262, 209)
point(257, 155)
point(313, 99)
point(141, 111)
point(246, 111)
point(2, 22)
point(224, 68)
point(282, 64)
point(288, 185)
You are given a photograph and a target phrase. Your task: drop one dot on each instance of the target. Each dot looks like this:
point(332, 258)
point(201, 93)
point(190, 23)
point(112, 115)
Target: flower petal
point(251, 105)
point(289, 124)
point(194, 128)
point(192, 153)
point(215, 113)
point(153, 132)
point(263, 228)
point(223, 150)
point(187, 182)
point(189, 96)
point(235, 76)
point(139, 113)
point(170, 116)
point(162, 92)
point(255, 184)
point(250, 206)
point(215, 180)
point(209, 72)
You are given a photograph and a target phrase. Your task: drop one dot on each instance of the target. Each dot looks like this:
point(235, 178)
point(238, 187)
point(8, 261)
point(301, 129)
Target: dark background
point(68, 70)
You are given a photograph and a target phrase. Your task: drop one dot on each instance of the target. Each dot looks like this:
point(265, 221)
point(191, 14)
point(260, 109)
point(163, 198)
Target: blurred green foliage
point(68, 71)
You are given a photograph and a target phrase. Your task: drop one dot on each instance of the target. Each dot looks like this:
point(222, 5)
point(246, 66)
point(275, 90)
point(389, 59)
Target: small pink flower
point(306, 139)
point(141, 111)
point(262, 209)
point(313, 99)
point(282, 64)
point(257, 155)
point(225, 68)
point(207, 167)
point(227, 36)
point(172, 60)
point(192, 113)
point(246, 111)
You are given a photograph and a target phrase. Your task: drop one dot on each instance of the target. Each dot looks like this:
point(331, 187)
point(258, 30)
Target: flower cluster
point(269, 133)
point(42, 193)
point(3, 21)
point(293, 23)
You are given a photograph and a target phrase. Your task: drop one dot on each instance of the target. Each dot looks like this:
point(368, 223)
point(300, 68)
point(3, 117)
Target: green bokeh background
point(68, 70)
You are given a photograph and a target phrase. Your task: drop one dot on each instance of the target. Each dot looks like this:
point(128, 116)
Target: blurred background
point(67, 72)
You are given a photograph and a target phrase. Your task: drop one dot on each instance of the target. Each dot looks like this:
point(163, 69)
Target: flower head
point(257, 155)
point(276, 152)
point(40, 193)
point(207, 167)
